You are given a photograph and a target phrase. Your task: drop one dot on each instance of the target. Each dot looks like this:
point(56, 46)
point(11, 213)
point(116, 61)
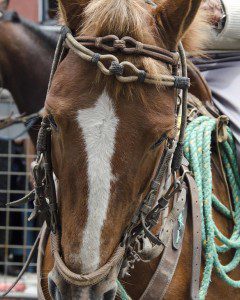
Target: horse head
point(105, 133)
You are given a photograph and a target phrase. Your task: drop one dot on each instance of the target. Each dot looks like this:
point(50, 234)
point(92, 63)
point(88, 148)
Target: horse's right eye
point(52, 122)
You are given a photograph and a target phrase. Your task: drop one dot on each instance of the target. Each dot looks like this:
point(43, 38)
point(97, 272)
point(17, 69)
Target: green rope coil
point(197, 149)
point(122, 292)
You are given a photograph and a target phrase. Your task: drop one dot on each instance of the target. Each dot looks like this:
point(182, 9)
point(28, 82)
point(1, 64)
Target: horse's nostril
point(53, 289)
point(110, 295)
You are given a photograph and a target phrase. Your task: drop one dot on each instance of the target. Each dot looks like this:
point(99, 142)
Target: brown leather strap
point(197, 236)
point(162, 277)
point(128, 45)
point(166, 268)
point(199, 86)
point(41, 254)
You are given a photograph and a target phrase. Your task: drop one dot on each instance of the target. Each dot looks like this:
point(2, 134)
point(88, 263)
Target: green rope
point(122, 292)
point(197, 149)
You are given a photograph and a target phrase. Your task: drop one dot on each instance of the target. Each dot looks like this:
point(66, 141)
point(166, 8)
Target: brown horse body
point(143, 114)
point(26, 55)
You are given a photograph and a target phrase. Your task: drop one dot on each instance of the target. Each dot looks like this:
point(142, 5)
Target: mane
point(120, 17)
point(130, 17)
point(124, 18)
point(50, 39)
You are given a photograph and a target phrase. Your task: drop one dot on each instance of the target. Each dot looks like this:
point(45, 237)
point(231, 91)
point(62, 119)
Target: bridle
point(147, 215)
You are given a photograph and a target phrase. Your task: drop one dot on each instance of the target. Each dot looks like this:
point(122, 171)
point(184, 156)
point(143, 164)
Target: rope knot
point(139, 46)
point(142, 76)
point(95, 58)
point(181, 83)
point(98, 42)
point(119, 44)
point(64, 31)
point(116, 68)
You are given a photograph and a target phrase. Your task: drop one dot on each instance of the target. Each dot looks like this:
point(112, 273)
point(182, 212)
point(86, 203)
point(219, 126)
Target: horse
point(103, 139)
point(26, 54)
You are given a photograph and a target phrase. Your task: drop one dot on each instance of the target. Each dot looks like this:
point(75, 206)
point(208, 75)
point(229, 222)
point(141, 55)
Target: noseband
point(147, 215)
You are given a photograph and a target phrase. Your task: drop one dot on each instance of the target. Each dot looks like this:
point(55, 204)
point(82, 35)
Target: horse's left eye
point(52, 122)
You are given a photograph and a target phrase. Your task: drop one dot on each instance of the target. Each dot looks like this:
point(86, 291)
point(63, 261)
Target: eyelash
point(52, 122)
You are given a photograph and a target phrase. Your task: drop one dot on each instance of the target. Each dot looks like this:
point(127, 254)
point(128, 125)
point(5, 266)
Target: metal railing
point(16, 233)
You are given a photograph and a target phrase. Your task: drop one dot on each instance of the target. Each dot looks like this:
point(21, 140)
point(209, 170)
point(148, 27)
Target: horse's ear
point(4, 4)
point(174, 18)
point(71, 12)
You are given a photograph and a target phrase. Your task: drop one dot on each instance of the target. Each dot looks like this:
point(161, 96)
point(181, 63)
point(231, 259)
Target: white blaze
point(99, 125)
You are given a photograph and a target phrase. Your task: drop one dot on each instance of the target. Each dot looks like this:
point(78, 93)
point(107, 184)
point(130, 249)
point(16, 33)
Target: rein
point(147, 215)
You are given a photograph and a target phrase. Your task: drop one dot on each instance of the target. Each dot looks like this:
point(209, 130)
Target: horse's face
point(102, 158)
point(102, 154)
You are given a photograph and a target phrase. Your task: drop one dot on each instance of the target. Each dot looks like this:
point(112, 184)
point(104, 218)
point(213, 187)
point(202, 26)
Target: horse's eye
point(52, 122)
point(159, 141)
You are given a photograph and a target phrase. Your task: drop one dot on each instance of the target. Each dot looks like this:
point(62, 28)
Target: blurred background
point(36, 10)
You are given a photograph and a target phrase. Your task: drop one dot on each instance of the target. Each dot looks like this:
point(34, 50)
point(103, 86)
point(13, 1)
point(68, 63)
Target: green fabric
point(197, 149)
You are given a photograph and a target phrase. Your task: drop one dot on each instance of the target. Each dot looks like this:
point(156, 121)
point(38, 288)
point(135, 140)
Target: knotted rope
point(197, 149)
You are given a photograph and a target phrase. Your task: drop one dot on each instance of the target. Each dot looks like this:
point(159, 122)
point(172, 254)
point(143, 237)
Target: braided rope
point(197, 149)
point(84, 279)
point(99, 59)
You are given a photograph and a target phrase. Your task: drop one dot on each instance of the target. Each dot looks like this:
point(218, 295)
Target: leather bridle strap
point(197, 235)
point(163, 275)
point(40, 259)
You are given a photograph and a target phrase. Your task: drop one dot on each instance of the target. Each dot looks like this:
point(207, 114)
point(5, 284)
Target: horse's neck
point(26, 65)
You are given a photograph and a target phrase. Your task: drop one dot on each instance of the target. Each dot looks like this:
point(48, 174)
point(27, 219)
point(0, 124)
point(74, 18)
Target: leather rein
point(147, 215)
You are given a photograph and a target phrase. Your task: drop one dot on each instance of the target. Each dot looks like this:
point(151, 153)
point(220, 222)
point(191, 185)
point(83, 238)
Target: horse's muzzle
point(59, 289)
